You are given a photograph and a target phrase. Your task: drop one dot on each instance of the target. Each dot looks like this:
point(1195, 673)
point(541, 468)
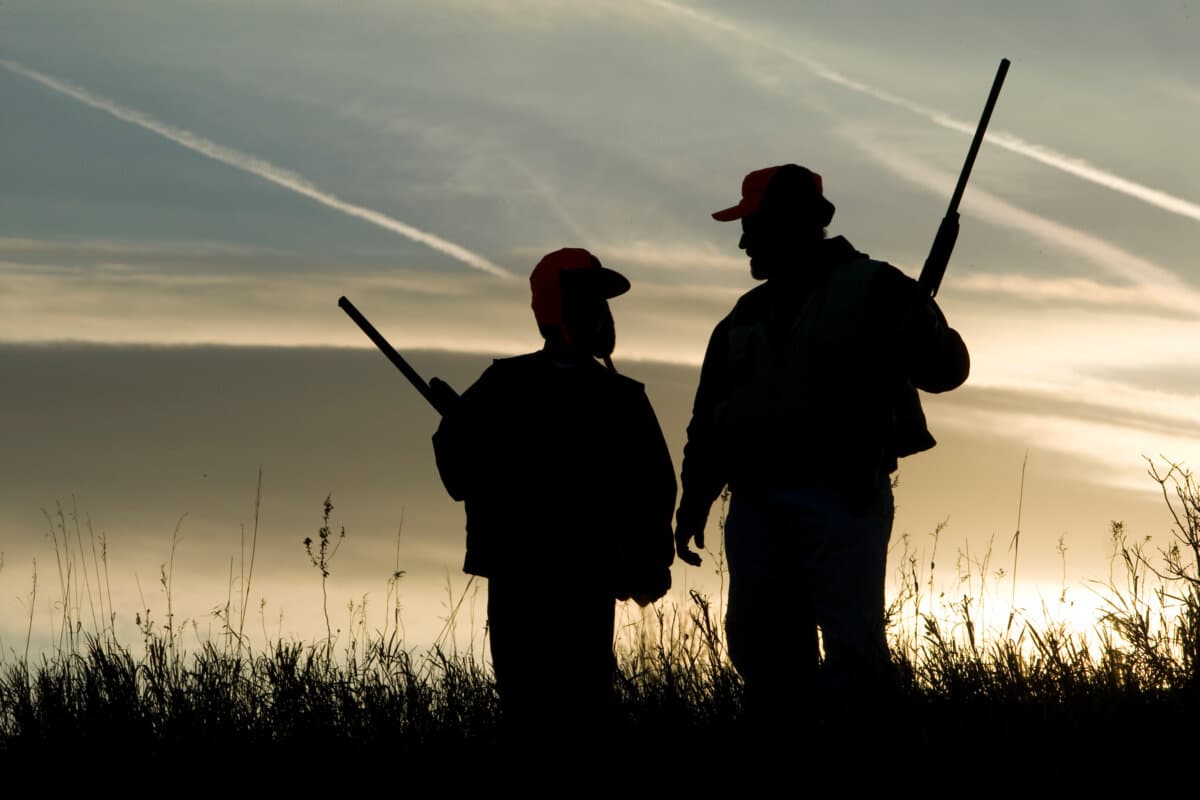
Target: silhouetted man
point(798, 412)
point(569, 491)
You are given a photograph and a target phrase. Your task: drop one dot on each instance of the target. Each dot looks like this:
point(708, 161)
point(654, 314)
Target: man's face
point(590, 322)
point(776, 240)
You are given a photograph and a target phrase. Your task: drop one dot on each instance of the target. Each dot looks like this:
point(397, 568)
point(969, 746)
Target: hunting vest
point(811, 383)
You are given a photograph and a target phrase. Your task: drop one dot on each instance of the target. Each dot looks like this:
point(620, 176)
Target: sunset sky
point(186, 188)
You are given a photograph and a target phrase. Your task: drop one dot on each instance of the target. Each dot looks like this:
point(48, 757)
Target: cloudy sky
point(215, 174)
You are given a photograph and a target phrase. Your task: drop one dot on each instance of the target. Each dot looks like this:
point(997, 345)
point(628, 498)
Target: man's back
point(806, 371)
point(801, 380)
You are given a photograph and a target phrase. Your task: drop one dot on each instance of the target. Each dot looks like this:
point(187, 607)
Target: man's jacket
point(565, 474)
point(807, 381)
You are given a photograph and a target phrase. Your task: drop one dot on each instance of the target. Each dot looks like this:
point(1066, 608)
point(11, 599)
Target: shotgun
point(947, 233)
point(436, 392)
point(910, 432)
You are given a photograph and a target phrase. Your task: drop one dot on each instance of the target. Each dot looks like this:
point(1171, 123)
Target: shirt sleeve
point(703, 475)
point(930, 352)
point(941, 361)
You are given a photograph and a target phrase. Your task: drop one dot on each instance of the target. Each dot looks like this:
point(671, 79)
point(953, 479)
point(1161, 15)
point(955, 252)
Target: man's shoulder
point(846, 260)
point(864, 271)
point(872, 278)
point(888, 283)
point(886, 270)
point(750, 302)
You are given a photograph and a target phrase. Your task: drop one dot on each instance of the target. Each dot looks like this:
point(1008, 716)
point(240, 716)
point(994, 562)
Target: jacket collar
point(830, 253)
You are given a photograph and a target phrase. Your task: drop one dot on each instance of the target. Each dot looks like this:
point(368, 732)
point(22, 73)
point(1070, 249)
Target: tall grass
point(1025, 684)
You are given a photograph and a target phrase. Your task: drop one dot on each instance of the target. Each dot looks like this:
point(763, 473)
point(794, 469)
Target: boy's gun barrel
point(947, 234)
point(437, 392)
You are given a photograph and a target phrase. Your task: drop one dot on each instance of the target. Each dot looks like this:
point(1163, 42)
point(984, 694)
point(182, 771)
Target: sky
point(186, 189)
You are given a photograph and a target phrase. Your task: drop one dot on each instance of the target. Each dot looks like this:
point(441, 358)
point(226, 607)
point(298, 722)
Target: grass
point(1036, 696)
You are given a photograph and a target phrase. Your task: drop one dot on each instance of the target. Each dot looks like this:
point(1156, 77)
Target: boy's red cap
point(587, 274)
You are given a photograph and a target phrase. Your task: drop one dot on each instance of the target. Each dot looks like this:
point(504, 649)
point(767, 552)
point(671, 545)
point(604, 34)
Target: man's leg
point(769, 625)
point(849, 571)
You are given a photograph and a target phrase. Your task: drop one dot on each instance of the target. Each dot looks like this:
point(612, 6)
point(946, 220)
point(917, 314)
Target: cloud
point(10, 244)
point(120, 302)
point(1177, 89)
point(166, 431)
point(550, 197)
point(1108, 453)
point(1081, 169)
point(1007, 141)
point(111, 301)
point(1080, 291)
point(665, 256)
point(260, 168)
point(1118, 262)
point(1108, 403)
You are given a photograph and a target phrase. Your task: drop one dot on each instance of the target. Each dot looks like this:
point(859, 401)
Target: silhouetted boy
point(569, 492)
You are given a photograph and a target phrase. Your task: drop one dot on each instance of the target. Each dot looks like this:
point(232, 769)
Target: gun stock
point(436, 392)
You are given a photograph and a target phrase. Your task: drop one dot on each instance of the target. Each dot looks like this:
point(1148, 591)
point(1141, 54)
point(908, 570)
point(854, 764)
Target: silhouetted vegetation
point(1028, 694)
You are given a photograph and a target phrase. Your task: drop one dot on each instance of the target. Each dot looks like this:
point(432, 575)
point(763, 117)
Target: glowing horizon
point(511, 129)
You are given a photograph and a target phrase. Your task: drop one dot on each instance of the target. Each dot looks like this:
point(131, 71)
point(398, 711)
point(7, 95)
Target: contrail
point(1051, 158)
point(257, 166)
point(551, 200)
point(1118, 262)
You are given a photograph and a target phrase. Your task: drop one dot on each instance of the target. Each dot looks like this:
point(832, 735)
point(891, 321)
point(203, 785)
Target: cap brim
point(612, 283)
point(597, 281)
point(729, 214)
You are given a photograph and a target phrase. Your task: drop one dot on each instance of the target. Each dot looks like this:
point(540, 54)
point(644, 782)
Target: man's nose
point(742, 242)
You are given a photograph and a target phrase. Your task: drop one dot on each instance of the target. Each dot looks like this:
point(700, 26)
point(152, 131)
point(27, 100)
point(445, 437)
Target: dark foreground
point(1058, 714)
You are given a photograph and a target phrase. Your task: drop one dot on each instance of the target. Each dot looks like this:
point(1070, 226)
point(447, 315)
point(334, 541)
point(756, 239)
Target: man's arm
point(940, 361)
point(929, 352)
point(703, 475)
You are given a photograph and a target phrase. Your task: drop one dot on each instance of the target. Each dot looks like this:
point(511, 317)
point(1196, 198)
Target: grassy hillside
point(1035, 693)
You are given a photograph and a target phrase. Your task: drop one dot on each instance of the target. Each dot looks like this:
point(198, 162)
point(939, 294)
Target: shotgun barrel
point(436, 392)
point(910, 432)
point(947, 233)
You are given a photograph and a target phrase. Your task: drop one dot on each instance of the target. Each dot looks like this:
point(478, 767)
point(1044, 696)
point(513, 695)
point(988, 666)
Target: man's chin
point(759, 270)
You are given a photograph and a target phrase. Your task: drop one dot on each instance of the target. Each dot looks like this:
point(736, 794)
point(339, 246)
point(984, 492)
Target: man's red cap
point(790, 183)
point(546, 281)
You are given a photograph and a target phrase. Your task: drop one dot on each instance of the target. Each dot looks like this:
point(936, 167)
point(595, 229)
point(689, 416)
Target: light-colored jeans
point(799, 560)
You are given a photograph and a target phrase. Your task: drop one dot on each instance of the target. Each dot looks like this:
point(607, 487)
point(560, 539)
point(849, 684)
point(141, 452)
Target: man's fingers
point(682, 538)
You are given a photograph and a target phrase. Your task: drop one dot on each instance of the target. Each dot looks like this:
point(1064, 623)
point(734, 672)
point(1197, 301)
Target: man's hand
point(683, 536)
point(921, 325)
